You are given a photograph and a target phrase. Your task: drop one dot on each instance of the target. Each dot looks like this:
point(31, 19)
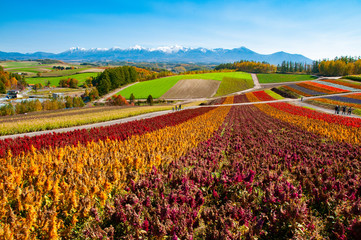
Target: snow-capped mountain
point(161, 54)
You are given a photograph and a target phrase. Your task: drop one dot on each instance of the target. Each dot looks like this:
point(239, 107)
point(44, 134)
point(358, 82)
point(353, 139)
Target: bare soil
point(192, 88)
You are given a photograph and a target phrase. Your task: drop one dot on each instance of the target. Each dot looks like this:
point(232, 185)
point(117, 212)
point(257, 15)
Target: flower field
point(265, 171)
point(338, 86)
point(315, 88)
point(349, 100)
point(343, 82)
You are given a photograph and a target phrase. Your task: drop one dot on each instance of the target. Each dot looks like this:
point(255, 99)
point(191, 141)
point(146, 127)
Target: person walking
point(343, 110)
point(349, 111)
point(180, 107)
point(336, 109)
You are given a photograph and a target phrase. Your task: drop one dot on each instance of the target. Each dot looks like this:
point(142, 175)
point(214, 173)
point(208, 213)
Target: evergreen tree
point(104, 85)
point(132, 98)
point(150, 100)
point(2, 87)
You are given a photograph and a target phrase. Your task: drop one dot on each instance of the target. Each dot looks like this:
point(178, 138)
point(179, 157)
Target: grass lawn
point(158, 87)
point(353, 77)
point(231, 85)
point(81, 77)
point(275, 78)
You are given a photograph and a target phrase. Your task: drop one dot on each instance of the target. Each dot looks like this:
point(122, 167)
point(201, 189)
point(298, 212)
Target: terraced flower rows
point(315, 88)
point(265, 171)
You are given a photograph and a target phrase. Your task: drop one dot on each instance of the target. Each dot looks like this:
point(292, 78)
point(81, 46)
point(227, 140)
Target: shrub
point(117, 100)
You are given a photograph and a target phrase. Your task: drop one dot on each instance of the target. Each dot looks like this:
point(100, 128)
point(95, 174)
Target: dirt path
point(105, 97)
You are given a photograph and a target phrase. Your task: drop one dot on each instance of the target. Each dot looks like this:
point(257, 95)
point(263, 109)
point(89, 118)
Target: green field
point(29, 69)
point(19, 64)
point(81, 77)
point(231, 85)
point(275, 78)
point(158, 87)
point(353, 77)
point(63, 72)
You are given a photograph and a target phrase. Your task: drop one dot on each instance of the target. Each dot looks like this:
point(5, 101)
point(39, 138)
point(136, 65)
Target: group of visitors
point(344, 108)
point(177, 107)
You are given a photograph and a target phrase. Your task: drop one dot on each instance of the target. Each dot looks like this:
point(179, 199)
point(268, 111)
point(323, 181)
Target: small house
point(58, 95)
point(14, 94)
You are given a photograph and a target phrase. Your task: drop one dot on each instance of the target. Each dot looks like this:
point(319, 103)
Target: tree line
point(340, 66)
point(248, 66)
point(337, 67)
point(36, 106)
point(63, 68)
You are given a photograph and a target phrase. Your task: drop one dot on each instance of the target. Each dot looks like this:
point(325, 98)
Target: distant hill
point(161, 54)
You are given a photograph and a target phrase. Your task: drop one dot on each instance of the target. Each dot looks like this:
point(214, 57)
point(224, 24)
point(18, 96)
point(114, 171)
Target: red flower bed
point(261, 95)
point(118, 132)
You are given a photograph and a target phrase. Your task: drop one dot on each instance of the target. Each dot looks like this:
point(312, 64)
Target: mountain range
point(161, 54)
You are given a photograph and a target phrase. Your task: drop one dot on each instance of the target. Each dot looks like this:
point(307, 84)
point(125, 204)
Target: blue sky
point(316, 29)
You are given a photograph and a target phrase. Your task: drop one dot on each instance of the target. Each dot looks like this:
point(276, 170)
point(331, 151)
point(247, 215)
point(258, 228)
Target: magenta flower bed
point(257, 177)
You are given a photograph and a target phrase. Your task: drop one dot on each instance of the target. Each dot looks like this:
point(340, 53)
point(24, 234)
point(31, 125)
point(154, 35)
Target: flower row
point(119, 131)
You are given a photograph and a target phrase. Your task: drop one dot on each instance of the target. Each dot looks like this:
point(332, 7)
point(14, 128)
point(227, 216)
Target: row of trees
point(113, 78)
point(36, 106)
point(11, 81)
point(63, 68)
point(69, 82)
point(145, 74)
point(248, 66)
point(294, 67)
point(337, 67)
